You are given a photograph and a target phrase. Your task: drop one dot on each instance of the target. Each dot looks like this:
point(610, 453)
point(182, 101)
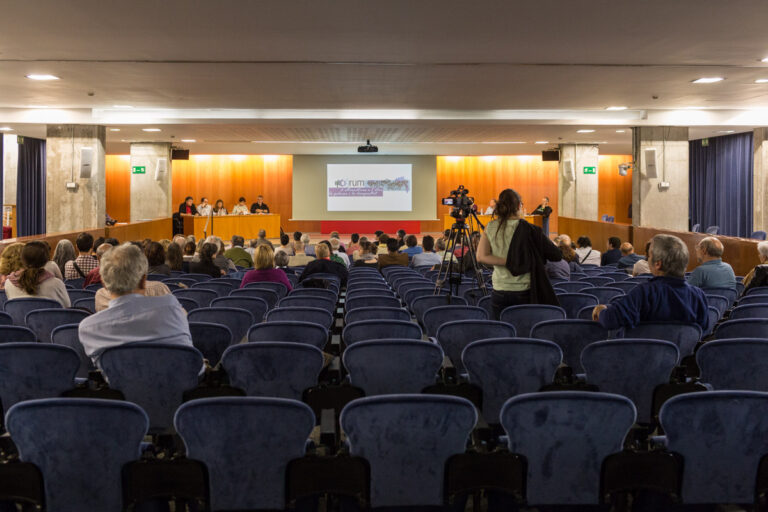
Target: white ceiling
point(401, 57)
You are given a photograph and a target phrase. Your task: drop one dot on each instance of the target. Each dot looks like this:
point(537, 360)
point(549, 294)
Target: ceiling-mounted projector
point(368, 148)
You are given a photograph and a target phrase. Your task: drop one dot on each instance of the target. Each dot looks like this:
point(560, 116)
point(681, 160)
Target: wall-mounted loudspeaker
point(86, 163)
point(569, 173)
point(650, 163)
point(162, 169)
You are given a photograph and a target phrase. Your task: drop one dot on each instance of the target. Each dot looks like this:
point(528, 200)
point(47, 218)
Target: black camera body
point(461, 202)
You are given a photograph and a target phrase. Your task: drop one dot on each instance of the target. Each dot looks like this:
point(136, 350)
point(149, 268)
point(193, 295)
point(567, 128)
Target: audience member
point(712, 271)
point(206, 265)
point(354, 244)
point(156, 260)
point(665, 298)
point(642, 267)
point(382, 248)
point(427, 257)
point(324, 265)
point(628, 257)
point(262, 239)
point(10, 262)
point(251, 249)
point(569, 255)
point(587, 255)
point(131, 316)
point(335, 234)
point(758, 276)
point(50, 265)
point(392, 257)
point(94, 276)
point(412, 247)
point(190, 249)
point(558, 269)
point(32, 280)
point(237, 254)
point(221, 261)
point(285, 245)
point(400, 238)
point(613, 254)
point(296, 238)
point(309, 249)
point(180, 240)
point(337, 251)
point(85, 262)
point(281, 262)
point(64, 253)
point(301, 258)
point(173, 258)
point(366, 255)
point(440, 245)
point(264, 269)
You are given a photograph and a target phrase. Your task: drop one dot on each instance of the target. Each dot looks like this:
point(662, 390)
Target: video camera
point(461, 202)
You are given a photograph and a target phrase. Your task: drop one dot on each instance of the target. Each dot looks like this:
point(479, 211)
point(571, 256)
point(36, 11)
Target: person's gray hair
point(762, 249)
point(122, 268)
point(281, 259)
point(671, 252)
point(238, 241)
point(305, 239)
point(712, 247)
point(103, 248)
point(217, 242)
point(262, 233)
point(440, 244)
point(335, 243)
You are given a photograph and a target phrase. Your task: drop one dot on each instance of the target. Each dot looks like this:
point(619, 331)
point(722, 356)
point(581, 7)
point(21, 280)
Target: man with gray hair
point(712, 271)
point(262, 240)
point(237, 254)
point(758, 276)
point(131, 316)
point(665, 298)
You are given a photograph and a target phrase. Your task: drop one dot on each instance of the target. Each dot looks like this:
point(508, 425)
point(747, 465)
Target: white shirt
point(49, 289)
point(426, 258)
point(239, 209)
point(204, 210)
point(343, 256)
point(592, 259)
point(489, 210)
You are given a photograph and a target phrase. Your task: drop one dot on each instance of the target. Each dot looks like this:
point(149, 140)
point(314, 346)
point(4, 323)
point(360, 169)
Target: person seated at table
point(206, 265)
point(613, 254)
point(665, 298)
point(259, 206)
point(491, 207)
point(712, 271)
point(428, 257)
point(264, 269)
point(204, 208)
point(758, 276)
point(32, 280)
point(301, 258)
point(285, 245)
point(237, 254)
point(188, 206)
point(628, 257)
point(218, 208)
point(324, 265)
point(241, 208)
point(393, 257)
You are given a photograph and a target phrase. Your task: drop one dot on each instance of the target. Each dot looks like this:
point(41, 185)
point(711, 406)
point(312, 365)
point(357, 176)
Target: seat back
point(438, 427)
point(722, 436)
point(67, 335)
point(308, 301)
point(278, 288)
point(44, 321)
point(296, 332)
point(565, 436)
point(757, 290)
point(198, 277)
point(758, 235)
point(314, 292)
point(221, 288)
point(385, 367)
point(684, 336)
point(728, 293)
point(743, 328)
point(572, 303)
point(80, 294)
point(187, 303)
point(371, 301)
point(749, 311)
point(256, 306)
point(16, 333)
point(420, 304)
point(507, 367)
point(154, 376)
point(525, 316)
point(453, 337)
point(314, 315)
point(378, 292)
point(19, 308)
point(437, 316)
point(739, 363)
point(713, 230)
point(276, 369)
point(696, 228)
point(202, 296)
point(35, 370)
point(359, 314)
point(631, 368)
point(236, 319)
point(80, 446)
point(598, 280)
point(211, 339)
point(574, 286)
point(571, 336)
point(242, 441)
point(757, 298)
point(604, 294)
point(718, 302)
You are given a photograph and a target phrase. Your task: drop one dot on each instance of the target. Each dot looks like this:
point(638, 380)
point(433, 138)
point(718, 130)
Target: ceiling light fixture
point(727, 131)
point(764, 60)
point(761, 81)
point(541, 142)
point(616, 108)
point(122, 106)
point(6, 129)
point(708, 80)
point(151, 129)
point(38, 106)
point(488, 158)
point(188, 140)
point(585, 131)
point(42, 78)
point(114, 129)
point(620, 131)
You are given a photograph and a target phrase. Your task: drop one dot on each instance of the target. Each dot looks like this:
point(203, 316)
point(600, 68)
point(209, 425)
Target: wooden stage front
point(226, 226)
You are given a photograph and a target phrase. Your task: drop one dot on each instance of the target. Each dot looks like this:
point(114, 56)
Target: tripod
point(450, 273)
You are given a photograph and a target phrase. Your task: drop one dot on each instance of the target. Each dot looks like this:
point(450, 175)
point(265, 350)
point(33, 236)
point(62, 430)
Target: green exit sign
point(138, 169)
point(590, 170)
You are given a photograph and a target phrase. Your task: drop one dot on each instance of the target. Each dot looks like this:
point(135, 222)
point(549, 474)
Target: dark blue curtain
point(721, 183)
point(30, 188)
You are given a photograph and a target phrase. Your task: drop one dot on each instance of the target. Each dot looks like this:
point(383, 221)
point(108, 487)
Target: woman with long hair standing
point(33, 280)
point(517, 250)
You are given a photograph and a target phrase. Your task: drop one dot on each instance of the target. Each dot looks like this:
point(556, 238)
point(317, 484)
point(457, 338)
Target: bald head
point(627, 249)
point(711, 247)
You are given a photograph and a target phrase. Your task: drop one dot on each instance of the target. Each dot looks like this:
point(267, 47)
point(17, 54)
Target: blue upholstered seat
point(525, 316)
point(411, 284)
point(392, 366)
point(211, 339)
point(86, 304)
point(713, 230)
point(571, 336)
point(598, 280)
point(728, 293)
point(565, 436)
point(238, 320)
point(76, 284)
point(44, 321)
point(221, 289)
point(359, 314)
point(16, 333)
point(718, 302)
point(380, 329)
point(276, 369)
point(307, 301)
point(574, 286)
point(80, 294)
point(377, 292)
point(197, 277)
point(314, 292)
point(420, 304)
point(257, 307)
point(625, 286)
point(453, 337)
point(368, 301)
point(202, 296)
point(749, 311)
point(413, 294)
point(435, 317)
point(572, 303)
point(604, 294)
point(179, 280)
point(156, 277)
point(80, 446)
point(684, 336)
point(18, 308)
point(758, 298)
point(437, 426)
point(631, 368)
point(737, 363)
point(714, 317)
point(296, 332)
point(722, 436)
point(67, 335)
point(506, 367)
point(246, 444)
point(758, 290)
point(187, 303)
point(758, 235)
point(314, 315)
point(278, 288)
point(154, 376)
point(743, 328)
point(35, 370)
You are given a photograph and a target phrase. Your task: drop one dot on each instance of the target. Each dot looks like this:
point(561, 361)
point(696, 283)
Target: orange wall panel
point(118, 187)
point(614, 192)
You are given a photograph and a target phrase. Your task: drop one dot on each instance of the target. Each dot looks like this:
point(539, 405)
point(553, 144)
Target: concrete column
point(82, 206)
point(10, 168)
point(150, 190)
point(578, 189)
point(760, 183)
point(661, 202)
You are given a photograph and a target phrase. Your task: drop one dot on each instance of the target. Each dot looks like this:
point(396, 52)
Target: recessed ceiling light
point(585, 131)
point(761, 81)
point(38, 106)
point(114, 129)
point(151, 129)
point(122, 106)
point(620, 131)
point(42, 77)
point(616, 108)
point(708, 80)
point(542, 142)
point(764, 60)
point(6, 129)
point(489, 158)
point(727, 131)
point(188, 140)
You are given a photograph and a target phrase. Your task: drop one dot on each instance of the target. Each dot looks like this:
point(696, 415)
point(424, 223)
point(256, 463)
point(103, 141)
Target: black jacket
point(760, 278)
point(544, 211)
point(255, 206)
point(325, 267)
point(528, 251)
point(183, 208)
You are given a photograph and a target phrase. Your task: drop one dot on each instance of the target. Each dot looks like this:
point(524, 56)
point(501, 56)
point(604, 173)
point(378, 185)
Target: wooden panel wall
point(614, 192)
point(598, 232)
point(486, 176)
point(118, 170)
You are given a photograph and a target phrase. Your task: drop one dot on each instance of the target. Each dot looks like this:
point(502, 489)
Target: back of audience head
point(567, 251)
point(762, 251)
point(378, 233)
point(298, 246)
point(354, 238)
point(428, 243)
point(281, 259)
point(97, 243)
point(584, 241)
point(34, 256)
point(400, 233)
point(264, 257)
point(322, 251)
point(180, 240)
point(238, 241)
point(411, 241)
point(440, 244)
point(328, 245)
point(208, 252)
point(671, 253)
point(155, 254)
point(296, 236)
point(335, 234)
point(102, 250)
point(10, 259)
point(614, 242)
point(262, 233)
point(123, 269)
point(253, 243)
point(392, 245)
point(84, 242)
point(711, 247)
point(190, 248)
point(626, 248)
point(284, 239)
point(366, 248)
point(507, 205)
point(174, 258)
point(305, 239)
point(383, 239)
point(335, 244)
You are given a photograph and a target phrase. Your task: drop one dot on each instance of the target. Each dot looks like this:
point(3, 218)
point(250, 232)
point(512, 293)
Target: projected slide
point(369, 187)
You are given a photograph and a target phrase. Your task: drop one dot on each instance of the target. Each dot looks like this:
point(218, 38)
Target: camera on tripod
point(461, 202)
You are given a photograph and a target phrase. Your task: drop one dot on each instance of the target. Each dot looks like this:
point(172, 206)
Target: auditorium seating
point(307, 301)
point(743, 328)
point(738, 363)
point(377, 313)
point(453, 337)
point(292, 331)
point(44, 321)
point(380, 329)
point(256, 306)
point(572, 303)
point(11, 333)
point(202, 296)
point(18, 308)
point(318, 316)
point(524, 317)
point(278, 288)
point(571, 336)
point(236, 319)
point(435, 317)
point(67, 335)
point(684, 336)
